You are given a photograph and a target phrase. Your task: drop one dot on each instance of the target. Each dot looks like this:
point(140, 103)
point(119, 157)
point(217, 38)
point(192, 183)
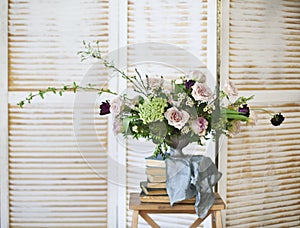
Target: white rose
point(198, 76)
point(230, 89)
point(201, 92)
point(177, 118)
point(116, 105)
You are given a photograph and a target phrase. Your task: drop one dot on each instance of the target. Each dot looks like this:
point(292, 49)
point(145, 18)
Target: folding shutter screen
point(50, 182)
point(181, 23)
point(262, 41)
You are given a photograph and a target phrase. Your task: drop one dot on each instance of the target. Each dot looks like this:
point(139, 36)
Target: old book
point(156, 185)
point(155, 162)
point(154, 178)
point(152, 191)
point(162, 199)
point(157, 171)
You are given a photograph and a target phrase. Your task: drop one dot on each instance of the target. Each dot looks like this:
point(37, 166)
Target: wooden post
point(135, 217)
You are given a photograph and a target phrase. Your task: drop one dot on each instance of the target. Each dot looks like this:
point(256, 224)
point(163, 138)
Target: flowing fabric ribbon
point(189, 176)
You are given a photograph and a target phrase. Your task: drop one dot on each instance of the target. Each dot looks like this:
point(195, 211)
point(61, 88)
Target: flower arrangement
point(170, 113)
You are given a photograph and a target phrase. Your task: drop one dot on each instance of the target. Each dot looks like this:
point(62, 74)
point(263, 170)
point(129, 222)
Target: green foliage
point(61, 90)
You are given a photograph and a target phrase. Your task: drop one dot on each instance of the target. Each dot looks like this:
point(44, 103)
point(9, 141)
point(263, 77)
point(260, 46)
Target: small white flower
point(185, 130)
point(189, 102)
point(178, 81)
point(203, 141)
point(181, 97)
point(135, 129)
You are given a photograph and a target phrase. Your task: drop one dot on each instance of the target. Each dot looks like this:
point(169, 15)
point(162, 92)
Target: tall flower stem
point(264, 110)
point(96, 53)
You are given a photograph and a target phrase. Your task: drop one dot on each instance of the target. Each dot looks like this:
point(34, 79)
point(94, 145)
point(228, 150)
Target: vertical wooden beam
point(112, 145)
point(4, 113)
point(135, 218)
point(224, 74)
point(122, 84)
point(218, 63)
point(117, 153)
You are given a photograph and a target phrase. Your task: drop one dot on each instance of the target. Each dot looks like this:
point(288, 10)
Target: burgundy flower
point(244, 110)
point(189, 84)
point(104, 108)
point(277, 119)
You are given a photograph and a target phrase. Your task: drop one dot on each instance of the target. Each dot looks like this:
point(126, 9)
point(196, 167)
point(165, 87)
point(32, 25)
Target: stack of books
point(154, 189)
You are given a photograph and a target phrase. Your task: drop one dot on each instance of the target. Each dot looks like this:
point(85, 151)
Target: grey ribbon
point(189, 176)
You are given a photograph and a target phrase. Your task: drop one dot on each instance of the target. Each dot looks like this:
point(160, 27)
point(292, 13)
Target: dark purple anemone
point(244, 110)
point(277, 119)
point(104, 108)
point(189, 84)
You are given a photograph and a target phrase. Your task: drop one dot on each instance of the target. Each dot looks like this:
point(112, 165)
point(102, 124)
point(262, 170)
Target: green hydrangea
point(152, 110)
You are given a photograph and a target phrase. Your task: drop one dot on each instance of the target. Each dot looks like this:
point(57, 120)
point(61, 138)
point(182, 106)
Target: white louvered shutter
point(57, 175)
point(179, 23)
point(262, 56)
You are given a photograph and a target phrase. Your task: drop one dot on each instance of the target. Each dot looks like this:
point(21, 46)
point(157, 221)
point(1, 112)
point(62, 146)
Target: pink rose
point(200, 125)
point(235, 128)
point(176, 118)
point(201, 92)
point(230, 89)
point(155, 83)
point(252, 118)
point(117, 127)
point(116, 105)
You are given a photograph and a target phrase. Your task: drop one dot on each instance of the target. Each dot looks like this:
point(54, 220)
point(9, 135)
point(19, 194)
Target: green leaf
point(229, 111)
point(21, 104)
point(237, 117)
point(75, 87)
point(41, 93)
point(179, 88)
point(126, 122)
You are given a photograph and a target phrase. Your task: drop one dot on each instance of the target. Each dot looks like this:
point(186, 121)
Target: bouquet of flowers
point(170, 113)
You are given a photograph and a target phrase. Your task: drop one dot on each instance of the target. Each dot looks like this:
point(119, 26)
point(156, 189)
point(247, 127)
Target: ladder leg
point(219, 219)
point(196, 223)
point(135, 217)
point(149, 220)
point(213, 219)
